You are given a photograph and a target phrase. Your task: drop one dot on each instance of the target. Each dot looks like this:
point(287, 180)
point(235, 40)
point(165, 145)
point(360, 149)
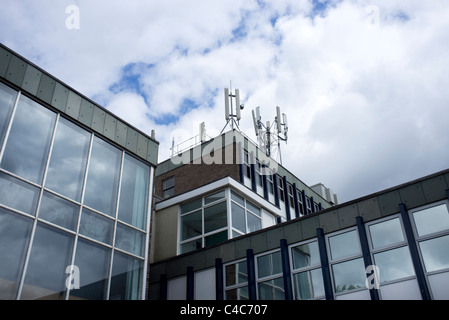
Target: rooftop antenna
point(230, 117)
point(271, 135)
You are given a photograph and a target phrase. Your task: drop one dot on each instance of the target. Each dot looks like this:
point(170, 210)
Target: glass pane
point(394, 264)
point(59, 211)
point(29, 140)
point(15, 233)
point(126, 279)
point(133, 204)
point(51, 254)
point(435, 253)
point(93, 262)
point(254, 223)
point(68, 160)
point(309, 284)
point(236, 273)
point(130, 240)
point(349, 275)
point(102, 178)
point(253, 208)
point(432, 220)
point(344, 245)
point(306, 255)
point(386, 233)
point(238, 217)
point(216, 238)
point(237, 294)
point(215, 217)
point(18, 195)
point(272, 289)
point(235, 197)
point(192, 245)
point(269, 264)
point(196, 204)
point(191, 225)
point(7, 99)
point(214, 197)
point(96, 226)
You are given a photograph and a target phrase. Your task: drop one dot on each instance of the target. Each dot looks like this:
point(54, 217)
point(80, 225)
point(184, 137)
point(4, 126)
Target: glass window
point(168, 187)
point(102, 178)
point(431, 220)
point(272, 289)
point(236, 273)
point(51, 253)
point(126, 278)
point(238, 217)
point(130, 240)
point(7, 99)
point(309, 284)
point(93, 262)
point(192, 245)
point(216, 238)
point(253, 208)
point(215, 217)
point(18, 195)
point(306, 255)
point(214, 197)
point(133, 204)
point(59, 211)
point(240, 293)
point(254, 223)
point(281, 188)
point(15, 233)
point(269, 264)
point(29, 140)
point(191, 225)
point(68, 160)
point(435, 253)
point(193, 205)
point(349, 275)
point(96, 226)
point(394, 264)
point(237, 198)
point(344, 245)
point(386, 233)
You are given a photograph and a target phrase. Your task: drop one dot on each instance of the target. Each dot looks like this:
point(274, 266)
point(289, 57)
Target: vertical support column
point(312, 204)
point(219, 289)
point(190, 291)
point(447, 194)
point(286, 199)
point(286, 270)
point(264, 185)
point(295, 198)
point(276, 189)
point(304, 202)
point(419, 270)
point(374, 292)
point(163, 287)
point(325, 265)
point(250, 263)
point(253, 172)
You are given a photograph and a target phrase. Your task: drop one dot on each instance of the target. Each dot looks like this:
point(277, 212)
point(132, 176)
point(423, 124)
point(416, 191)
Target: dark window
point(168, 187)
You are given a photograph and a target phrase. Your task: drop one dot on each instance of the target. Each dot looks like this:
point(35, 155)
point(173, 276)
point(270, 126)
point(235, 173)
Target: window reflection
point(309, 284)
point(50, 255)
point(126, 278)
point(305, 255)
point(68, 160)
point(130, 240)
point(96, 226)
point(431, 220)
point(134, 192)
point(394, 264)
point(386, 233)
point(29, 140)
point(15, 233)
point(58, 211)
point(7, 98)
point(349, 275)
point(344, 245)
point(102, 178)
point(18, 195)
point(435, 253)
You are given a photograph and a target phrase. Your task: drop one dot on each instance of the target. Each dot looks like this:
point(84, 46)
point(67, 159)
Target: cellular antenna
point(270, 138)
point(231, 118)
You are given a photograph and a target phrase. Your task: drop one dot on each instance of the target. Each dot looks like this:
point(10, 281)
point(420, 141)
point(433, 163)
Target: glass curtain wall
point(73, 208)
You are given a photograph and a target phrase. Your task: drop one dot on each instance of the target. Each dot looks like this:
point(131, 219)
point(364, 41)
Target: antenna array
point(232, 118)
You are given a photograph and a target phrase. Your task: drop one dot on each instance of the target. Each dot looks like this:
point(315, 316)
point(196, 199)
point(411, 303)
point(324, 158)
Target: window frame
point(171, 189)
point(270, 277)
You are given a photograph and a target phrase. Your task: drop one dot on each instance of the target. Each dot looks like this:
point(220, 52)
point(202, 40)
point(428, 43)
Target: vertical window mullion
point(8, 130)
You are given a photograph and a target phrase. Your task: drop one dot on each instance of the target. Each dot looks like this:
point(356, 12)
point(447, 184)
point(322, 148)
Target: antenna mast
point(270, 138)
point(232, 118)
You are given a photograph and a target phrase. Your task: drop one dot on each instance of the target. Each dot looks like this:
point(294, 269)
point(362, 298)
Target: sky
point(364, 83)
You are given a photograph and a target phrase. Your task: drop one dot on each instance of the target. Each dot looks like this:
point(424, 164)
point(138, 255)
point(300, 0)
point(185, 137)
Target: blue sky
point(364, 82)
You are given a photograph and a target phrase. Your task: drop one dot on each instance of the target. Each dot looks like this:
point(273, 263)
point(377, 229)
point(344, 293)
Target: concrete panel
point(60, 96)
point(240, 247)
point(16, 70)
point(369, 209)
point(46, 88)
point(273, 237)
point(152, 152)
point(309, 226)
point(329, 221)
point(131, 140)
point(121, 131)
point(109, 126)
point(227, 252)
point(389, 203)
point(347, 216)
point(293, 232)
point(73, 105)
point(210, 255)
point(434, 189)
point(98, 119)
point(5, 57)
point(259, 242)
point(86, 112)
point(142, 146)
point(412, 196)
point(31, 80)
